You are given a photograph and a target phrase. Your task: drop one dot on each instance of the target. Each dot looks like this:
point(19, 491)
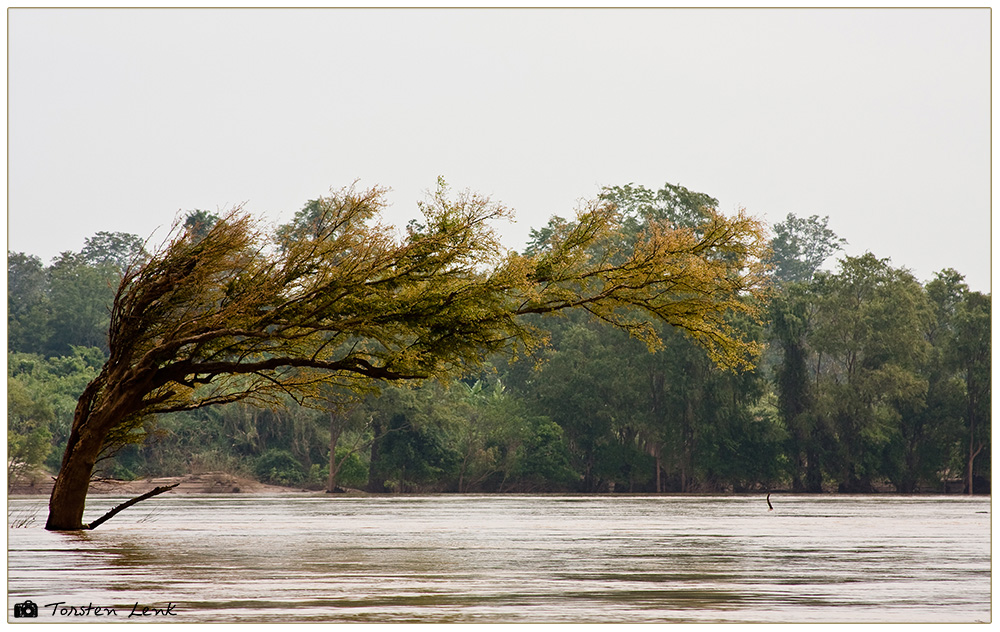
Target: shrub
point(278, 467)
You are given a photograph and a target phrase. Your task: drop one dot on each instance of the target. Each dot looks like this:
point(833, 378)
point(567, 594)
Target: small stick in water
point(769, 506)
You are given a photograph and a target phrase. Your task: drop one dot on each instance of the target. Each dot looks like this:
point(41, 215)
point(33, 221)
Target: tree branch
point(128, 503)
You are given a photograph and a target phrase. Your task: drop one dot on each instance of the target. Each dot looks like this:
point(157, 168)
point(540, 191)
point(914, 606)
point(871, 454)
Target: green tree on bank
point(868, 382)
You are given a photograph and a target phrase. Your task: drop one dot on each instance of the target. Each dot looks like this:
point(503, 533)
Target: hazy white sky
point(120, 119)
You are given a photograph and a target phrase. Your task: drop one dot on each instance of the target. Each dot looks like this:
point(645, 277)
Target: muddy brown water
point(509, 559)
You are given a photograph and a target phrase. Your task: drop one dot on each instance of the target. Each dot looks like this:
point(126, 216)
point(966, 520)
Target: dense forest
point(867, 380)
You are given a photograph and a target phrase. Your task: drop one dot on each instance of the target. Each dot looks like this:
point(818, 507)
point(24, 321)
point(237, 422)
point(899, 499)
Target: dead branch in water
point(128, 503)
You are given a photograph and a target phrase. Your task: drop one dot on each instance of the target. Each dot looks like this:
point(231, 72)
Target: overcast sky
point(879, 119)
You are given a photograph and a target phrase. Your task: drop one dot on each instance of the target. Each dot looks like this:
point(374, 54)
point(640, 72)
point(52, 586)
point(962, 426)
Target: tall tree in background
point(28, 313)
point(50, 310)
point(928, 436)
point(78, 296)
point(798, 249)
point(791, 323)
point(870, 330)
point(972, 349)
point(800, 246)
point(230, 314)
point(120, 250)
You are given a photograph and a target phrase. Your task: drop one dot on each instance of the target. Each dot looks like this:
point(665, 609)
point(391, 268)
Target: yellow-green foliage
point(338, 298)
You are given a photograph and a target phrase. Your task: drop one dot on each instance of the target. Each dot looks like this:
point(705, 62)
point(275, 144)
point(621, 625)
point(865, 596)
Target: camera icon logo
point(25, 610)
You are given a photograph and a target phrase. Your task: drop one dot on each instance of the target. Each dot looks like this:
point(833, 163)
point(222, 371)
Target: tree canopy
point(800, 246)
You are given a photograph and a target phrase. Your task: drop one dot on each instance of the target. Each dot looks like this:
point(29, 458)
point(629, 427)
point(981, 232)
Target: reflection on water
point(515, 559)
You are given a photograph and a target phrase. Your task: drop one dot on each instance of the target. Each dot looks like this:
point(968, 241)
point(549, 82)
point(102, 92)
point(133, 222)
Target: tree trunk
point(376, 481)
point(971, 407)
point(69, 495)
point(972, 457)
point(97, 412)
point(814, 475)
point(659, 467)
point(335, 429)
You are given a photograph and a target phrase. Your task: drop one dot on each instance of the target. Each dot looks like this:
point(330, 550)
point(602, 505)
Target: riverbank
point(203, 483)
point(40, 483)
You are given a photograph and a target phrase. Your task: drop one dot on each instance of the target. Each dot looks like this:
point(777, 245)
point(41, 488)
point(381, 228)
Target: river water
point(510, 559)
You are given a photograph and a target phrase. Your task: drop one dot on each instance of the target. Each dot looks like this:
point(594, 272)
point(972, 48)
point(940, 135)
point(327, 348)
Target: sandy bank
point(204, 483)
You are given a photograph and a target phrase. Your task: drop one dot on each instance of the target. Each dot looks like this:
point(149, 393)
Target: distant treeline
point(868, 380)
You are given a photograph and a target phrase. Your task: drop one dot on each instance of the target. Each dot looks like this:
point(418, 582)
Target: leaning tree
point(234, 312)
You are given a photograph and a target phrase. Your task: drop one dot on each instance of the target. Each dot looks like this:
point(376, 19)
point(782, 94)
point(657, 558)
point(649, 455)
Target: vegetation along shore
point(649, 345)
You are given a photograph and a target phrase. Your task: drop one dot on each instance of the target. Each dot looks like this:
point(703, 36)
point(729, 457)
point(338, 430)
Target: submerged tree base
point(119, 508)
